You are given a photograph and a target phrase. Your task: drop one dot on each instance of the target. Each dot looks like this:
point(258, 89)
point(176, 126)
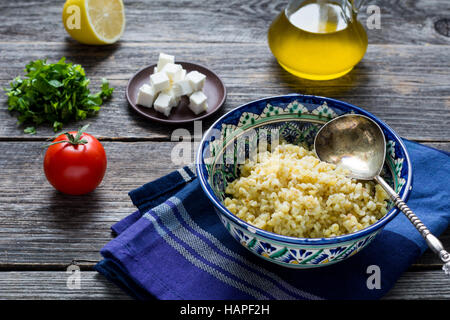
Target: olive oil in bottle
point(318, 40)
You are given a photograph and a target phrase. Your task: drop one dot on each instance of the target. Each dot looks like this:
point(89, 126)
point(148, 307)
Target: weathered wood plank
point(53, 285)
point(421, 64)
point(421, 285)
point(407, 86)
point(402, 21)
point(41, 228)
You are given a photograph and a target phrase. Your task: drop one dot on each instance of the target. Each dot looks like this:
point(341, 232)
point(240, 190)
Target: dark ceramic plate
point(214, 89)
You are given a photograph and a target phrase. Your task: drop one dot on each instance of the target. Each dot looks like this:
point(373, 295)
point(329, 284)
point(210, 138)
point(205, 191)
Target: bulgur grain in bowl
point(275, 197)
point(291, 192)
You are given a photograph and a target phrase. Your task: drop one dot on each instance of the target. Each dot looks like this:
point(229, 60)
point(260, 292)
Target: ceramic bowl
point(296, 119)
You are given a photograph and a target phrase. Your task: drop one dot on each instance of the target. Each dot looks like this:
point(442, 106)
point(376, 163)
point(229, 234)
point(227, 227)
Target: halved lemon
point(94, 21)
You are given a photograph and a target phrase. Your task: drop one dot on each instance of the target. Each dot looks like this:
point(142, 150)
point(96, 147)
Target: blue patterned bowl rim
point(201, 173)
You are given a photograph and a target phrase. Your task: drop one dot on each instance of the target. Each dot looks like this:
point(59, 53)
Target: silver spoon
point(357, 143)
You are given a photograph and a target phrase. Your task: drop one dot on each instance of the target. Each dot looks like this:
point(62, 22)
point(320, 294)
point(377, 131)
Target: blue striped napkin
point(174, 246)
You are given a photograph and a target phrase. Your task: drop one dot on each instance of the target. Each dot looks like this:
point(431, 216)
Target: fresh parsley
point(54, 93)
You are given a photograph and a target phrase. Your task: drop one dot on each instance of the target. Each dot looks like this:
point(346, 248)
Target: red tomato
point(75, 168)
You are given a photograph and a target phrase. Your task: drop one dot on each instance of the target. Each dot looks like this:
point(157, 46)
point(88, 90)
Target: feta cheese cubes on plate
point(168, 83)
point(163, 60)
point(180, 75)
point(197, 102)
point(146, 96)
point(173, 71)
point(164, 103)
point(196, 79)
point(182, 88)
point(159, 81)
point(170, 92)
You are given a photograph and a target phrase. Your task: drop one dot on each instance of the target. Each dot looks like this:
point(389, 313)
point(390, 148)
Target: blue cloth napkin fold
point(174, 246)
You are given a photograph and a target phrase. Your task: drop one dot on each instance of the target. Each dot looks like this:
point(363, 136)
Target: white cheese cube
point(159, 81)
point(164, 103)
point(163, 60)
point(197, 109)
point(196, 79)
point(146, 96)
point(171, 92)
point(197, 102)
point(182, 88)
point(180, 75)
point(172, 71)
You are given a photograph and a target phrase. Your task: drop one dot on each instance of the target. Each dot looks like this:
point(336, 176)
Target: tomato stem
point(74, 140)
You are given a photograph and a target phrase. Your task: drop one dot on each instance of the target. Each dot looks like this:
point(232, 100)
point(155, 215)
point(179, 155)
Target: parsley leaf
point(30, 130)
point(54, 94)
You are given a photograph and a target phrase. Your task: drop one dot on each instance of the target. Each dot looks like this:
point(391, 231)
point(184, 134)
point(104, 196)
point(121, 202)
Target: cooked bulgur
point(291, 192)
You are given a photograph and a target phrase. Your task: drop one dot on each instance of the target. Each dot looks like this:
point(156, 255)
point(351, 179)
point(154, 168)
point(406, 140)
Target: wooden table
point(404, 79)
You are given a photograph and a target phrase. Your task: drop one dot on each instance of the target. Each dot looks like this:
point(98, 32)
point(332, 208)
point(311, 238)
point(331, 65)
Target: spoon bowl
point(354, 142)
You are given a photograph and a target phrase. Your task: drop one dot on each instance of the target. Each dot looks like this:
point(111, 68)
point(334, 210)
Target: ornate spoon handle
point(433, 242)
